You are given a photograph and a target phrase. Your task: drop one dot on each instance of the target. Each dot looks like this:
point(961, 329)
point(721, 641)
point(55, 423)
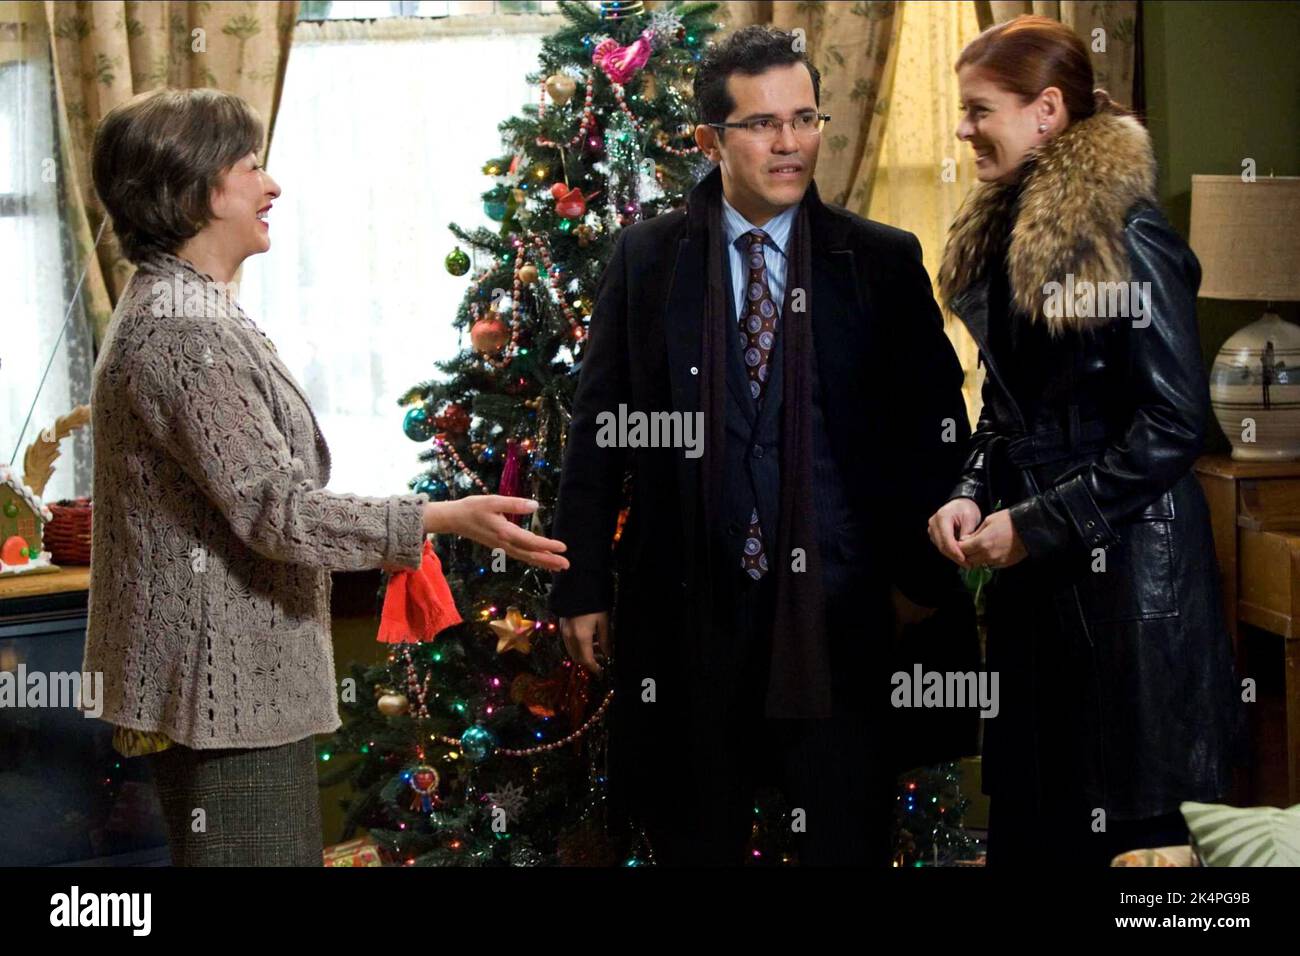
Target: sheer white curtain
point(34, 266)
point(379, 144)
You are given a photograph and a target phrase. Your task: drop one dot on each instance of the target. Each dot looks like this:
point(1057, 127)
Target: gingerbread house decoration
point(22, 521)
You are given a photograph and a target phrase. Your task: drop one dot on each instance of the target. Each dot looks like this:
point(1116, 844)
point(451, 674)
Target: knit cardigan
point(214, 535)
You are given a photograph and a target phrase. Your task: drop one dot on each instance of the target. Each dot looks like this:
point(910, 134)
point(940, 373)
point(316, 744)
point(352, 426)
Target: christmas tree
point(928, 818)
point(486, 745)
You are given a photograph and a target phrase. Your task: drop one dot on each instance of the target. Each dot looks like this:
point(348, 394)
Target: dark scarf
point(800, 682)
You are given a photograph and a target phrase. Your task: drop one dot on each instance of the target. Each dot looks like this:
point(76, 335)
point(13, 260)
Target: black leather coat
point(1120, 583)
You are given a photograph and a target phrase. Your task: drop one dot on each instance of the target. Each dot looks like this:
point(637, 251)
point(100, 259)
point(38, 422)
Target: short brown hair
point(1027, 54)
point(750, 51)
point(158, 156)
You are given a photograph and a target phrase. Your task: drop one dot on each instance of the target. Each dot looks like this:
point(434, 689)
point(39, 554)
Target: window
point(378, 145)
point(37, 284)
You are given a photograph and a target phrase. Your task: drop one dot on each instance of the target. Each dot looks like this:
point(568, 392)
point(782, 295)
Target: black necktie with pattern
point(757, 334)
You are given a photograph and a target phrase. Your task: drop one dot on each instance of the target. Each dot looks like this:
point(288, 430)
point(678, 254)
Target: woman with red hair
point(1105, 623)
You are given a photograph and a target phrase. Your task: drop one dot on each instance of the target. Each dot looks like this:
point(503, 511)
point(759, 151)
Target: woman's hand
point(482, 518)
point(951, 523)
point(995, 543)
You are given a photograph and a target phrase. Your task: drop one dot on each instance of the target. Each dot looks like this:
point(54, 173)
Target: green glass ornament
point(457, 262)
point(435, 488)
point(417, 424)
point(478, 743)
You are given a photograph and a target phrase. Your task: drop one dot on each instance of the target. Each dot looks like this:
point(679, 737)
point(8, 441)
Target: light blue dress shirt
point(775, 252)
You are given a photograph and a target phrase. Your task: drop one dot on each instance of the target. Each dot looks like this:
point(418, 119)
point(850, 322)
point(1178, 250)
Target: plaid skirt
point(261, 807)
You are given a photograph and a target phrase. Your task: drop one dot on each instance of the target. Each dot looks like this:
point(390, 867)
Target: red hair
point(1027, 54)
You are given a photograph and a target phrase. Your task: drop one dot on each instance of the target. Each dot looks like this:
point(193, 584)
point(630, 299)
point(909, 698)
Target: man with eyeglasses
point(759, 588)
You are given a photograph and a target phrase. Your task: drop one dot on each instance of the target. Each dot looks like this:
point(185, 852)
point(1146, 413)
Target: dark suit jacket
point(896, 423)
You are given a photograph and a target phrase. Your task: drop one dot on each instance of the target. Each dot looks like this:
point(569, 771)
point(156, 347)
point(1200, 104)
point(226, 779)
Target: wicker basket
point(67, 534)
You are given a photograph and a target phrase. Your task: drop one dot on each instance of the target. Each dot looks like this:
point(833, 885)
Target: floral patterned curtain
point(853, 46)
point(1113, 50)
point(106, 52)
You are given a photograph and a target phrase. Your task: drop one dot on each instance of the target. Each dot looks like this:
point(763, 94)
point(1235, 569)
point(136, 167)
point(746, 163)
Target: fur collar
point(1073, 197)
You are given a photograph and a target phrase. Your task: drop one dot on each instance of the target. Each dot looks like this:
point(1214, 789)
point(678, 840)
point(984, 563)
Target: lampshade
point(1247, 237)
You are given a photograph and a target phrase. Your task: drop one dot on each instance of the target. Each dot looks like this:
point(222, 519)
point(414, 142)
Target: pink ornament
point(620, 63)
point(511, 479)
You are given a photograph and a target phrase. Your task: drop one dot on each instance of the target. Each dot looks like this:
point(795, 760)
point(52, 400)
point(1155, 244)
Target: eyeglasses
point(769, 127)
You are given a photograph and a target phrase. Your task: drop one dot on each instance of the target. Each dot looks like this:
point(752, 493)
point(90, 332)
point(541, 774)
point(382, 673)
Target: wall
point(1222, 84)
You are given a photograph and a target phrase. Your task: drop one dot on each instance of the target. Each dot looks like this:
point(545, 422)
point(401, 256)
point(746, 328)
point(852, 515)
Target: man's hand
point(581, 633)
point(950, 525)
point(995, 543)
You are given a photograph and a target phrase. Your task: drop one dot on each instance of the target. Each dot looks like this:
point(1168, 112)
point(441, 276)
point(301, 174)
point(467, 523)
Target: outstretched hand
point(482, 518)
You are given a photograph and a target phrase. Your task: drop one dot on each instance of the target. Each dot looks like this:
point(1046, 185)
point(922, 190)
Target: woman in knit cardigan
point(214, 536)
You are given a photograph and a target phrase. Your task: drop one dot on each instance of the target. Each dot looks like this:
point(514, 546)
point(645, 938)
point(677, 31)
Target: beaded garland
point(419, 696)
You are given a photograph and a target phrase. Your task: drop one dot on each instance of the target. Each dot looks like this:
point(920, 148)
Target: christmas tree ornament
point(457, 262)
point(588, 116)
point(393, 704)
point(417, 425)
point(511, 484)
point(571, 204)
point(621, 63)
point(667, 27)
point(477, 743)
point(423, 781)
point(489, 335)
point(560, 87)
point(510, 798)
point(527, 273)
point(620, 9)
point(514, 632)
point(494, 202)
point(453, 419)
point(434, 487)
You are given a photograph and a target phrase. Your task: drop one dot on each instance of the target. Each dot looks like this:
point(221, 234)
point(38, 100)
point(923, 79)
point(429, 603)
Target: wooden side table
point(1255, 515)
